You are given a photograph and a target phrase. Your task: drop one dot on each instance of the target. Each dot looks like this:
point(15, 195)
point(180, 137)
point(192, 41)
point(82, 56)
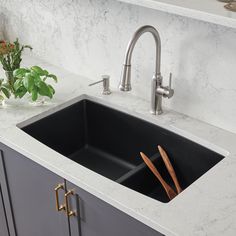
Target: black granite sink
point(108, 142)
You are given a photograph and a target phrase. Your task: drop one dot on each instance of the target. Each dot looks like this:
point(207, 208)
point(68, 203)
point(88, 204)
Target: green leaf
point(34, 94)
point(53, 77)
point(1, 98)
point(20, 73)
point(39, 70)
point(46, 72)
point(21, 92)
point(44, 90)
point(28, 82)
point(6, 92)
point(36, 77)
point(51, 89)
point(17, 84)
point(7, 86)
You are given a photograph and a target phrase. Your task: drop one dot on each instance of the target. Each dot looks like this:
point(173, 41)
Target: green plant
point(4, 90)
point(33, 81)
point(10, 54)
point(10, 58)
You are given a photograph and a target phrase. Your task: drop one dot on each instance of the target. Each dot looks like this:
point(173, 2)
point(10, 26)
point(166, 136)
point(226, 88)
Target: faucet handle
point(106, 84)
point(170, 81)
point(169, 91)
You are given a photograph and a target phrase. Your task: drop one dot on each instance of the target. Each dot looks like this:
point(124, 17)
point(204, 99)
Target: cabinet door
point(95, 217)
point(32, 197)
point(3, 221)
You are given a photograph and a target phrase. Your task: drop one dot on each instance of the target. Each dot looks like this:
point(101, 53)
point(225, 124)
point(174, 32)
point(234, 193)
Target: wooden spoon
point(170, 192)
point(170, 168)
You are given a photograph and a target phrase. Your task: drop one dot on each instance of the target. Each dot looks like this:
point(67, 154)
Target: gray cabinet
point(3, 221)
point(32, 197)
point(31, 204)
point(95, 217)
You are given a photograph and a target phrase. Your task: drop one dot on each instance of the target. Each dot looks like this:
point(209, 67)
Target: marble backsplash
point(90, 38)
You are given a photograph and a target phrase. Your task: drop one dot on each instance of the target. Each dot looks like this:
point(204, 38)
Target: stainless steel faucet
point(158, 90)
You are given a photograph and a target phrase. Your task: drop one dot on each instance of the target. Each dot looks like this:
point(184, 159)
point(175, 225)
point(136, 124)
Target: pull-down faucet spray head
point(125, 83)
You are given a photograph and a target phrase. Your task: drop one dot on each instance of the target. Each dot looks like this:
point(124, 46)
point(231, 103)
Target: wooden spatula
point(170, 168)
point(170, 192)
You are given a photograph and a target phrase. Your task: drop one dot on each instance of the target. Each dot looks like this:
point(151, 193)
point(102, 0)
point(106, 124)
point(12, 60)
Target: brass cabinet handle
point(68, 211)
point(58, 206)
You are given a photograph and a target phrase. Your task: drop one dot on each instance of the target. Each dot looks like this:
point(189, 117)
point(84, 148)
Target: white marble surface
point(207, 207)
point(206, 10)
point(90, 38)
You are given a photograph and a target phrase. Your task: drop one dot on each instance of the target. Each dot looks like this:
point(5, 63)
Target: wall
point(90, 38)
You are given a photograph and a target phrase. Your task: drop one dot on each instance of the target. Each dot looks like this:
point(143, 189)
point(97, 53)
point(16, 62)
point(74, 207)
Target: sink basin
point(108, 142)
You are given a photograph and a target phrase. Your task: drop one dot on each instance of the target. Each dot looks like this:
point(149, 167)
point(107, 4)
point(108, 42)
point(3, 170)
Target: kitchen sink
point(108, 142)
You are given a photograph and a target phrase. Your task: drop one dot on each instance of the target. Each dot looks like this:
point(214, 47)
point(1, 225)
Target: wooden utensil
point(170, 168)
point(170, 192)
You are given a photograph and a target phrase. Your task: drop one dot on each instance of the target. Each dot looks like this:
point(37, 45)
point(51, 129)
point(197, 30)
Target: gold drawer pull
point(68, 211)
point(58, 206)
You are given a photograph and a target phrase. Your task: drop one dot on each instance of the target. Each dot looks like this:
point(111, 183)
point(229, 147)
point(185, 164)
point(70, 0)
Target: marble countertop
point(207, 207)
point(211, 11)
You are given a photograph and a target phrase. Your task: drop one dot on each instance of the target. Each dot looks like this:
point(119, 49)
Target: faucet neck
point(134, 40)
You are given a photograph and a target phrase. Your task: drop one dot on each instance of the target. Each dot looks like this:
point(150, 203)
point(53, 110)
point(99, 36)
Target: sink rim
point(150, 218)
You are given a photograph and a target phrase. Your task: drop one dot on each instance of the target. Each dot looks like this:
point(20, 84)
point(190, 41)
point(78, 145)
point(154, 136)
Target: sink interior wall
point(63, 131)
point(90, 134)
point(108, 142)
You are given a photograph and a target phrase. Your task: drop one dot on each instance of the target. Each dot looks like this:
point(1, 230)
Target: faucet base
point(159, 112)
point(153, 112)
point(125, 88)
point(156, 113)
